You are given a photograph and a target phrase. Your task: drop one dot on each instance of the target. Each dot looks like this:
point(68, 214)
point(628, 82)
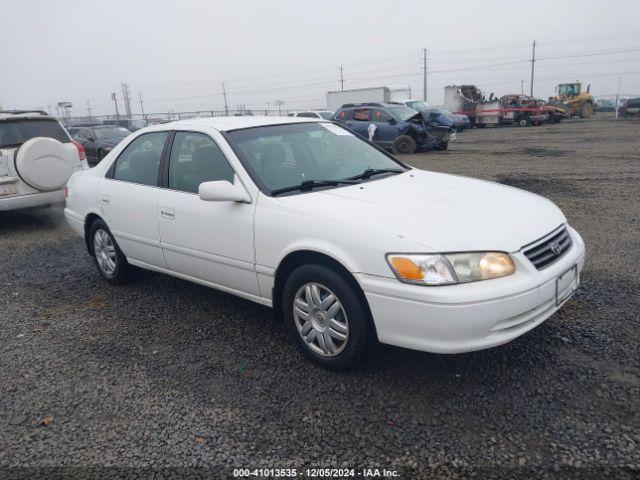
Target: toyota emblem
point(555, 248)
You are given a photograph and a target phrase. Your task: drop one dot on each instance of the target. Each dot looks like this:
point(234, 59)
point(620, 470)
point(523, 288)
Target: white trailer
point(470, 100)
point(384, 94)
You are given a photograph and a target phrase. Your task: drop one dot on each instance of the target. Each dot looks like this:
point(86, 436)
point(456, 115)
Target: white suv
point(37, 157)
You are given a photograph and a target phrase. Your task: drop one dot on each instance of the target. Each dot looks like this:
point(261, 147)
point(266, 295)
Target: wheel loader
point(574, 100)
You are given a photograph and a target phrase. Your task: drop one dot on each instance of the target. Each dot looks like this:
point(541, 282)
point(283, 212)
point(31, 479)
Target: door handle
point(168, 213)
point(104, 199)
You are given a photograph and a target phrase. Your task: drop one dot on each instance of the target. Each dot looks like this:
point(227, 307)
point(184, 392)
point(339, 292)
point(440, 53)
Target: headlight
point(450, 268)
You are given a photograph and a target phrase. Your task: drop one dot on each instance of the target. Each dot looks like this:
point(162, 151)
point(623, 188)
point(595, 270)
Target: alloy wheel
point(105, 252)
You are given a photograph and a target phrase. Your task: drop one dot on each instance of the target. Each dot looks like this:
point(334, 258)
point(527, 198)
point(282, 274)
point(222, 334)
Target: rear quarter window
point(16, 132)
point(342, 115)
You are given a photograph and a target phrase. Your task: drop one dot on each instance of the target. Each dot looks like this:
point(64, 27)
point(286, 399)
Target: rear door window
point(361, 114)
point(16, 132)
point(308, 115)
point(140, 160)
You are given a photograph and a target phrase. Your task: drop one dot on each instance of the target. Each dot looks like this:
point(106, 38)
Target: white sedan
point(347, 243)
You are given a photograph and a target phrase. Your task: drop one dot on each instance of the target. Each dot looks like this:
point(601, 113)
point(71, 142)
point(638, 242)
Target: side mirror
point(91, 139)
point(392, 121)
point(223, 191)
point(589, 88)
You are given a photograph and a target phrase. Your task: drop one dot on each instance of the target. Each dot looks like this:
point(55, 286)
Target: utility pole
point(279, 103)
point(224, 94)
point(127, 99)
point(618, 96)
point(341, 78)
point(522, 87)
point(141, 104)
point(115, 102)
point(424, 73)
point(533, 62)
point(89, 108)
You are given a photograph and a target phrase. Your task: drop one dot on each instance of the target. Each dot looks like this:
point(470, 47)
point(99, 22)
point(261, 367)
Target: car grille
point(548, 249)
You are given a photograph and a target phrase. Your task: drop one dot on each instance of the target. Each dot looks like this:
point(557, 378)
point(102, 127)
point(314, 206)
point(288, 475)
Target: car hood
point(437, 118)
point(444, 213)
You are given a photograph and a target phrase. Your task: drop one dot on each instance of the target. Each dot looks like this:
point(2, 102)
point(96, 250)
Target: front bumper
point(472, 316)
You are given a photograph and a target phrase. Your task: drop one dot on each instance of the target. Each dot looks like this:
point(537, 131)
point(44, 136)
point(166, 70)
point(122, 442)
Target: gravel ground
point(167, 374)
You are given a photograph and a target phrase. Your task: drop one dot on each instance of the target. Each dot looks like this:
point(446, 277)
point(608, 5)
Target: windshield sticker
point(336, 129)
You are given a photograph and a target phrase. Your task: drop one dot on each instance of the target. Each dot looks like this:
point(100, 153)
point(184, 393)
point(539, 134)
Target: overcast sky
point(177, 53)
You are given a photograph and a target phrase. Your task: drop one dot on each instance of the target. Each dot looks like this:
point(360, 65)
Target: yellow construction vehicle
point(574, 100)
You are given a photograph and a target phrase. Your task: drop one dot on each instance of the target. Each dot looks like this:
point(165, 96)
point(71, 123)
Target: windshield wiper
point(311, 184)
point(369, 172)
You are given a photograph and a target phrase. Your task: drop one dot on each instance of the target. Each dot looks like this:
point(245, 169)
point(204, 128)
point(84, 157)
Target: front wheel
point(404, 144)
point(107, 256)
point(326, 317)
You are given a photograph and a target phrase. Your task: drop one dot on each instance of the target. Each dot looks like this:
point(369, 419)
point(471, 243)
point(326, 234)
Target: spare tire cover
point(45, 163)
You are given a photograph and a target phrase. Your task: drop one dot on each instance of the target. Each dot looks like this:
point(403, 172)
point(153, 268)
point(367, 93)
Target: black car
point(398, 127)
point(129, 123)
point(100, 140)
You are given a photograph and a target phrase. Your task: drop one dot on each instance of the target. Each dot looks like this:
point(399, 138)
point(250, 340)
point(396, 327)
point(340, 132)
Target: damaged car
point(396, 127)
point(522, 110)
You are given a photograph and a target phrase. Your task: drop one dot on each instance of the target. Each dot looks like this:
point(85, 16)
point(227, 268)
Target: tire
point(443, 146)
point(404, 145)
point(586, 110)
point(107, 256)
point(524, 122)
point(481, 125)
point(344, 323)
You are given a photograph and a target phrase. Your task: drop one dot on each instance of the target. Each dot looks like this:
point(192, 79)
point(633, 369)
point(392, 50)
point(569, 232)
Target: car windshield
point(402, 112)
point(280, 156)
point(418, 105)
point(16, 132)
point(326, 115)
point(111, 132)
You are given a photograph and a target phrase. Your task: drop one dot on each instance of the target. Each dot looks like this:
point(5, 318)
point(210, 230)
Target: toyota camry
point(348, 244)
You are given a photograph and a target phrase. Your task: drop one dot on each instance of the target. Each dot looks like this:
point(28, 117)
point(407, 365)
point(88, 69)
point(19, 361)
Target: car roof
point(18, 114)
point(348, 106)
point(226, 124)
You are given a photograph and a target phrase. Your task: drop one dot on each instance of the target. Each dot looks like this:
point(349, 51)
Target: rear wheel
point(524, 122)
point(326, 317)
point(107, 256)
point(586, 110)
point(404, 144)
